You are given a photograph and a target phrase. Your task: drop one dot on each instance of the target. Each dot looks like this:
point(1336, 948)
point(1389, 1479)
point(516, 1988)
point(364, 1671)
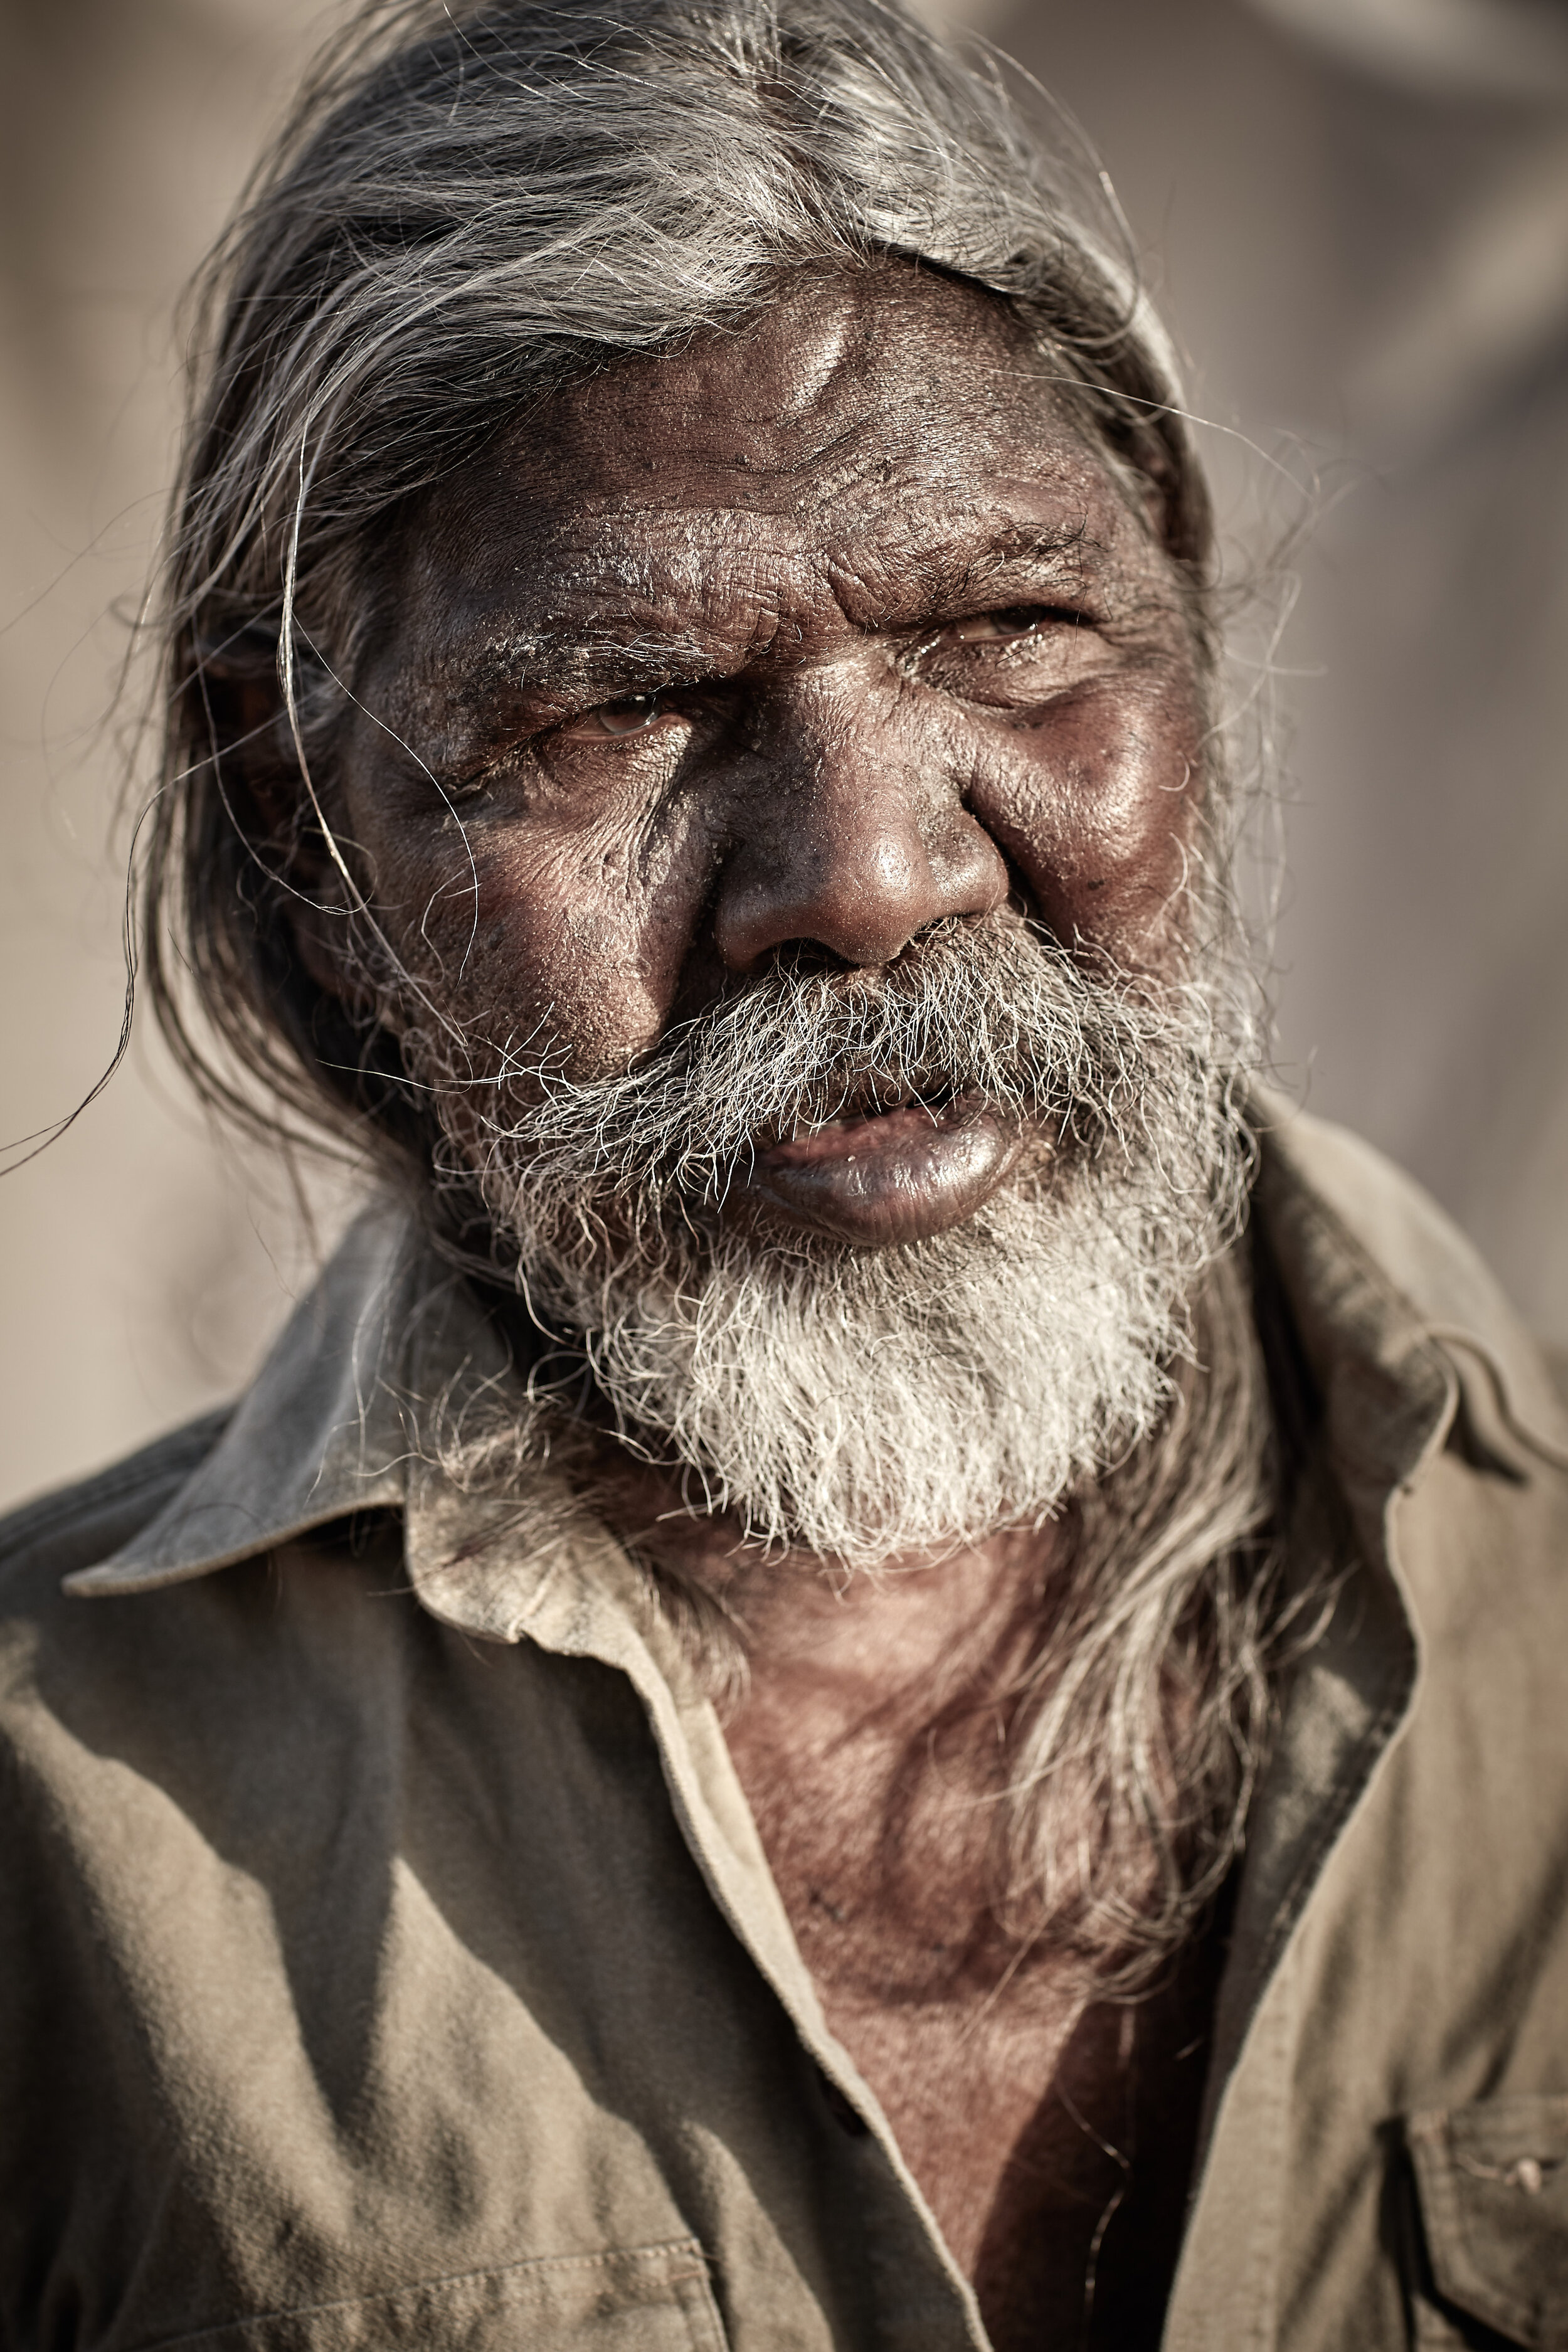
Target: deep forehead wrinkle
point(678, 610)
point(830, 459)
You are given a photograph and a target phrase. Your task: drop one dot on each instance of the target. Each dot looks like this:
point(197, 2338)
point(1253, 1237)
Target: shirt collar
point(341, 1419)
point(1392, 1305)
point(1396, 1313)
point(319, 1434)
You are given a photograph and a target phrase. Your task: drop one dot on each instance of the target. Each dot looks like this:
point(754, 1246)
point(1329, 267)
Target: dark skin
point(794, 642)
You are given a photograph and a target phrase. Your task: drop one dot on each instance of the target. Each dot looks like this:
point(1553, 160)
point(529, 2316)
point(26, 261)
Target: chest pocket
point(641, 2299)
point(1492, 2180)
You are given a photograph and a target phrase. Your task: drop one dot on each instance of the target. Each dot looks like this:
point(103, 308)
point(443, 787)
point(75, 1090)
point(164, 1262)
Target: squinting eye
point(1016, 621)
point(633, 714)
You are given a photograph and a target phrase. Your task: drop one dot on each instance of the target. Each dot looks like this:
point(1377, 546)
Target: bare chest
point(1051, 2138)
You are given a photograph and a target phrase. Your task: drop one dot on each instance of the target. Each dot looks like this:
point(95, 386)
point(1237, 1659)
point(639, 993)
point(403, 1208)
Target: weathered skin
point(803, 636)
point(911, 650)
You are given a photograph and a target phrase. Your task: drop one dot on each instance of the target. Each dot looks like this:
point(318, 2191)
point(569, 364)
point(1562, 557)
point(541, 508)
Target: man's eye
point(634, 714)
point(1014, 621)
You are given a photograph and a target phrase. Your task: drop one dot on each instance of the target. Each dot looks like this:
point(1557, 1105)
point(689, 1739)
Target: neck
point(1122, 1652)
point(927, 1626)
point(911, 1637)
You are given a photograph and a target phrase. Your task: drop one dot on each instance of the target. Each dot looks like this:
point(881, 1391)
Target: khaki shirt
point(390, 1958)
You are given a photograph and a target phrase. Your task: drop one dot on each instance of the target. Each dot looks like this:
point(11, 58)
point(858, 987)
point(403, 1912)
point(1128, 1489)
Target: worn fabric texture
point(389, 1956)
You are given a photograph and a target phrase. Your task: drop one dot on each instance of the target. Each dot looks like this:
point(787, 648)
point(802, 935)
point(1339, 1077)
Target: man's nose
point(852, 847)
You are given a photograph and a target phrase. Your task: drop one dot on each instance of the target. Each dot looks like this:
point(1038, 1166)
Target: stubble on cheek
point(533, 952)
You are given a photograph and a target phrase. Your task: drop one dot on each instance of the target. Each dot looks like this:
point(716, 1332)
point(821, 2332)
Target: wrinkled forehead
point(836, 370)
point(856, 450)
point(882, 401)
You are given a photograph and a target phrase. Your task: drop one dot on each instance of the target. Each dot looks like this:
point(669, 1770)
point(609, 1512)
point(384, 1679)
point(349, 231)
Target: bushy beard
point(869, 1405)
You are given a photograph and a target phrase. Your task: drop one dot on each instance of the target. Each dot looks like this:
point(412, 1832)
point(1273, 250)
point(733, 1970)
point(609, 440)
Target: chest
point(1051, 2136)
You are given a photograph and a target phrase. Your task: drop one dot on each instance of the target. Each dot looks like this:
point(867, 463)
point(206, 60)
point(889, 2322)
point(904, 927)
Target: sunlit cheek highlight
point(1094, 808)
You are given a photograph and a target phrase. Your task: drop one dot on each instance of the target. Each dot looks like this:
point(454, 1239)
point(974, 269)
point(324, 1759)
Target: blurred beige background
point(1357, 217)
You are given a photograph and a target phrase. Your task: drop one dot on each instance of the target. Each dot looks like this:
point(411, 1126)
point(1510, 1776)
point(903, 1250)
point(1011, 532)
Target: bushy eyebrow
point(628, 638)
point(1011, 556)
point(1006, 545)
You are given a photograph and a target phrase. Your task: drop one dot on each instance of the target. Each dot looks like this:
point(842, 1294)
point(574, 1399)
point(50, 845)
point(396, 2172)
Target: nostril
point(803, 958)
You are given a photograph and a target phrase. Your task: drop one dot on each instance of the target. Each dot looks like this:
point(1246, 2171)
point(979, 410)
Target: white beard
point(867, 1404)
point(908, 1399)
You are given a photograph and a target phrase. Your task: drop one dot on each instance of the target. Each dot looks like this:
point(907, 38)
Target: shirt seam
point(660, 2251)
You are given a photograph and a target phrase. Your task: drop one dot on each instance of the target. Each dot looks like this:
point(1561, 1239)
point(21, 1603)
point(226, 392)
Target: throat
point(872, 1741)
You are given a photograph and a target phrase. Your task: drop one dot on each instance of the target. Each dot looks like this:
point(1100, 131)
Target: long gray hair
point(472, 207)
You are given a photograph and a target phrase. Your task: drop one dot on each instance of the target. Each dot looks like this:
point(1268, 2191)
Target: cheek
point(583, 933)
point(1095, 807)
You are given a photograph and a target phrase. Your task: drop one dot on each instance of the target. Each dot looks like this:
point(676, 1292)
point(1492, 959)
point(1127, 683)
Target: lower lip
point(896, 1177)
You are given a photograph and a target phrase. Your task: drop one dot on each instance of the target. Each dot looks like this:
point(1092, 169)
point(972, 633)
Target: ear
point(240, 711)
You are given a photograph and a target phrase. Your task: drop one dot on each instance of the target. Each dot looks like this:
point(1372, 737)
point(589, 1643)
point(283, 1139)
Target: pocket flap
point(1493, 2183)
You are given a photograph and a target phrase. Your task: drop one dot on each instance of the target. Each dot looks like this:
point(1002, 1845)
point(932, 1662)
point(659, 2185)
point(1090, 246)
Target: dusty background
point(1357, 217)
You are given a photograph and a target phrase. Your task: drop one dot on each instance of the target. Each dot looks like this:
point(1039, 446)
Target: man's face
point(787, 645)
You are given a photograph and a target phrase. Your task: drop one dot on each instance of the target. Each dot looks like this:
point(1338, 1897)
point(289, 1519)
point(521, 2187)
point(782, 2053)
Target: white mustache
point(994, 1012)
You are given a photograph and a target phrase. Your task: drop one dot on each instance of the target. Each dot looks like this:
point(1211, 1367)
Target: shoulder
point(1368, 1252)
point(74, 1527)
point(57, 1649)
point(1444, 1432)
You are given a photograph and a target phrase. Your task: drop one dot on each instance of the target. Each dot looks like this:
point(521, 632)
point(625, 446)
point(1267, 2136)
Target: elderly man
point(881, 1667)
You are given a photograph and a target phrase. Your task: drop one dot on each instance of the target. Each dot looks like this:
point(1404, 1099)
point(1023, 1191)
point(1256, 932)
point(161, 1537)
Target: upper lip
point(872, 1098)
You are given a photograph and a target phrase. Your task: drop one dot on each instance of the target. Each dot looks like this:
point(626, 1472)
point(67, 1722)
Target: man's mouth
point(885, 1171)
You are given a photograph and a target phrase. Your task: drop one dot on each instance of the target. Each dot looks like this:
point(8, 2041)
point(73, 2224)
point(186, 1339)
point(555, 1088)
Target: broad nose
point(851, 844)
